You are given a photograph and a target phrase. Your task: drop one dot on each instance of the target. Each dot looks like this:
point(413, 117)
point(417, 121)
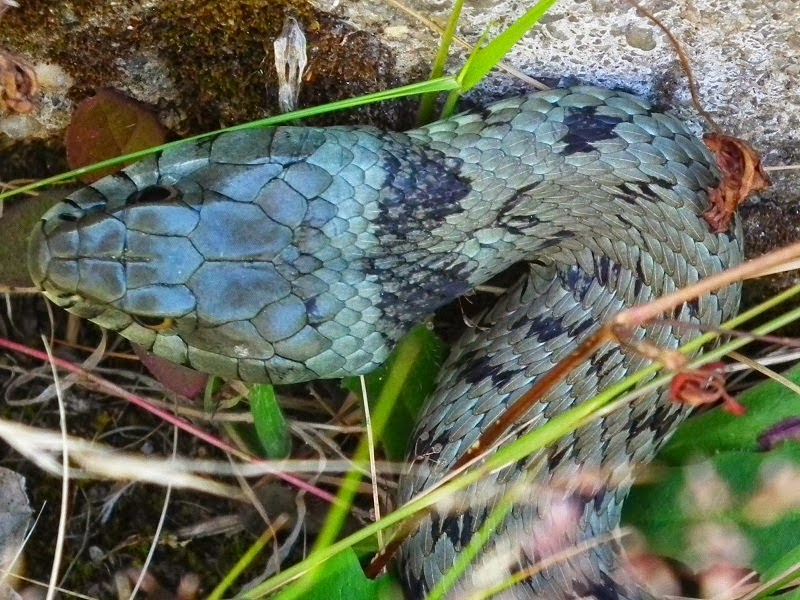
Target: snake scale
point(296, 253)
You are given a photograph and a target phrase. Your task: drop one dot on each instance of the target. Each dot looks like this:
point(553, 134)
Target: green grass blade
point(241, 565)
point(442, 84)
point(426, 106)
point(485, 58)
point(454, 95)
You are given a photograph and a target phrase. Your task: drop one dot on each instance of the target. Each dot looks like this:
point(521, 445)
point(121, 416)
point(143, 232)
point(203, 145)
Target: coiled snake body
point(290, 254)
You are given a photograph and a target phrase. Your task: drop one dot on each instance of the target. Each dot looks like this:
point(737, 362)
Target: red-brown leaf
point(181, 380)
point(109, 125)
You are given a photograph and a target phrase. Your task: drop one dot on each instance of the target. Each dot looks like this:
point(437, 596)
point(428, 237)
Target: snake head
point(241, 270)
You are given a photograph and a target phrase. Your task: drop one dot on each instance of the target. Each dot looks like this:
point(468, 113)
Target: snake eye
point(152, 193)
point(154, 323)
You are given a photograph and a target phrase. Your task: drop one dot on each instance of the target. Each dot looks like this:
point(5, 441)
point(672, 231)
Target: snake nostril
point(152, 193)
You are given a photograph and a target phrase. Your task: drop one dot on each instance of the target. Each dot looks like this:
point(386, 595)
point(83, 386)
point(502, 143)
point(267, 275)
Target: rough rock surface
point(746, 61)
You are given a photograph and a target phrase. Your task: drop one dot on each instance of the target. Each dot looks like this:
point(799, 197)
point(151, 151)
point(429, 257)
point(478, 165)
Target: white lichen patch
point(52, 77)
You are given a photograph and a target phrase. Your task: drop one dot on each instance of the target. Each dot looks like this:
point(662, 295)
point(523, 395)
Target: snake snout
point(60, 242)
point(53, 249)
point(54, 238)
point(38, 256)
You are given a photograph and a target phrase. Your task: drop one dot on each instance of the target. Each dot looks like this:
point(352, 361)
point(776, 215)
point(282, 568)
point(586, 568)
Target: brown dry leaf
point(18, 84)
point(742, 176)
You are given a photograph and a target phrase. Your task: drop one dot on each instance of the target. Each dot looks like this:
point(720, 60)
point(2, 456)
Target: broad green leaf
point(342, 578)
point(271, 426)
point(718, 431)
point(784, 573)
point(785, 562)
point(755, 511)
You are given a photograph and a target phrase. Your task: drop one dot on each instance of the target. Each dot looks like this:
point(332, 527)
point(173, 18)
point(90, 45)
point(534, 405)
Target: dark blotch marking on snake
point(599, 361)
point(605, 589)
point(519, 224)
point(476, 366)
point(457, 528)
point(546, 327)
point(584, 127)
point(632, 191)
point(481, 369)
point(660, 422)
point(577, 281)
point(422, 188)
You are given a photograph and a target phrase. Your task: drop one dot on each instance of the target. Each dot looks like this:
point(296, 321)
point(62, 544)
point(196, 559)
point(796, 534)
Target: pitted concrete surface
point(745, 57)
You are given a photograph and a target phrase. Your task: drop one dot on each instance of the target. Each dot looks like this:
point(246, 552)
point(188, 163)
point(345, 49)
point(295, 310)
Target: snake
point(289, 254)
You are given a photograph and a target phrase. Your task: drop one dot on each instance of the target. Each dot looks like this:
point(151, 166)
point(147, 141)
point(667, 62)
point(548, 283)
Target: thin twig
point(167, 416)
point(376, 504)
point(756, 366)
point(687, 68)
point(162, 518)
point(783, 168)
point(62, 522)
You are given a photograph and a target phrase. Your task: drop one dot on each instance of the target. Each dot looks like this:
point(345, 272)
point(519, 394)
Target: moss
point(202, 65)
point(219, 55)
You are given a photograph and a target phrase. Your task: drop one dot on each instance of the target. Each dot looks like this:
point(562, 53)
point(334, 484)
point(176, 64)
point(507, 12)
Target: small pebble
point(641, 38)
point(19, 127)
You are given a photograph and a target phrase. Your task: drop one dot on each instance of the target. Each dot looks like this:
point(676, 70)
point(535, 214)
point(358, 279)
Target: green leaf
point(342, 578)
point(666, 513)
point(784, 563)
point(485, 58)
point(784, 573)
point(271, 426)
point(402, 385)
point(716, 431)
